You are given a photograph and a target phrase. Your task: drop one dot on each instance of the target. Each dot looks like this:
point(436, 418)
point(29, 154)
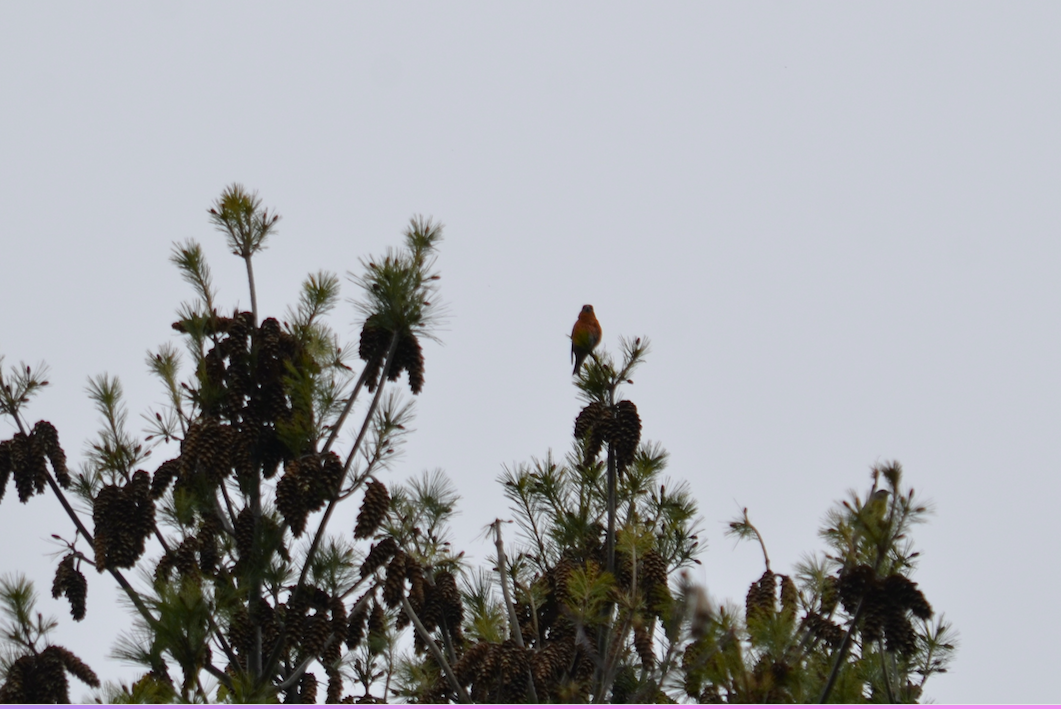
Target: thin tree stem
point(346, 411)
point(611, 508)
point(842, 653)
point(884, 670)
point(254, 292)
point(436, 653)
point(517, 632)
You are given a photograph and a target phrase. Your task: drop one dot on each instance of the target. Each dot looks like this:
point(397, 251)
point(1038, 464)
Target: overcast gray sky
point(836, 222)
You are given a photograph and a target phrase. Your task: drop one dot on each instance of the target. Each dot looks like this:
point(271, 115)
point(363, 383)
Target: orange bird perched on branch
point(585, 335)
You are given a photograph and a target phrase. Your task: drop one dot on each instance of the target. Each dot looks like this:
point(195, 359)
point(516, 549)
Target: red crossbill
point(585, 335)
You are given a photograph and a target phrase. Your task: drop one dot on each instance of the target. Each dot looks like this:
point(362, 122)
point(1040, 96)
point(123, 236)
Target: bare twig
point(517, 633)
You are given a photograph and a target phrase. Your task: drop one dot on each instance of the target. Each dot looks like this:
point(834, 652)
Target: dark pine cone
point(450, 597)
point(5, 465)
point(36, 679)
point(335, 685)
point(355, 629)
point(291, 497)
point(468, 666)
point(164, 475)
point(553, 659)
point(760, 599)
point(28, 464)
point(394, 585)
point(123, 518)
point(899, 633)
point(643, 643)
point(853, 584)
point(315, 631)
point(378, 555)
point(828, 631)
point(377, 620)
point(626, 433)
point(307, 689)
point(789, 597)
point(373, 509)
point(409, 357)
point(593, 425)
point(904, 593)
point(206, 454)
point(373, 349)
point(74, 665)
point(244, 529)
point(47, 438)
point(71, 583)
point(514, 664)
point(875, 610)
point(654, 578)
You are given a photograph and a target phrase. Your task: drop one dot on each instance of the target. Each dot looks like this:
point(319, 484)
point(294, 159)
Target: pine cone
point(291, 498)
point(760, 601)
point(315, 631)
point(593, 426)
point(394, 586)
point(164, 475)
point(335, 686)
point(307, 689)
point(28, 464)
point(626, 433)
point(355, 629)
point(450, 597)
point(378, 555)
point(900, 634)
point(244, 529)
point(551, 661)
point(375, 341)
point(789, 597)
point(875, 610)
point(409, 357)
point(513, 666)
point(824, 629)
point(904, 594)
point(373, 509)
point(71, 583)
point(643, 643)
point(654, 581)
point(75, 666)
point(47, 438)
point(5, 466)
point(206, 454)
point(209, 554)
point(123, 518)
point(377, 620)
point(853, 584)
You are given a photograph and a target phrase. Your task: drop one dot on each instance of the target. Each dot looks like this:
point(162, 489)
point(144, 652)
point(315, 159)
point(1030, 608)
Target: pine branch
point(274, 656)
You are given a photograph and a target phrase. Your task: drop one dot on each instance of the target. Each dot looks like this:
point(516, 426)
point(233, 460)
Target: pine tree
point(250, 593)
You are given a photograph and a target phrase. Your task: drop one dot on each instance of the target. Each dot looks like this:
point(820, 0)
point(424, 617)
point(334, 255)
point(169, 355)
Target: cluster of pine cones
point(618, 425)
point(24, 455)
point(885, 604)
point(41, 678)
point(408, 357)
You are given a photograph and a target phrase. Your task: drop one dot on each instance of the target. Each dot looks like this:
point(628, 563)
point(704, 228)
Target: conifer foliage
point(248, 591)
